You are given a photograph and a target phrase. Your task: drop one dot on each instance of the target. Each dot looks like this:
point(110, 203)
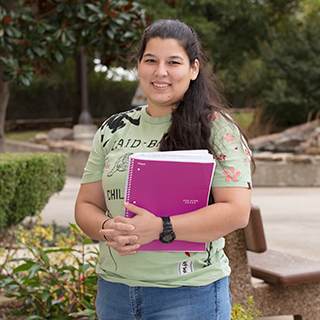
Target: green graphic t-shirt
point(135, 131)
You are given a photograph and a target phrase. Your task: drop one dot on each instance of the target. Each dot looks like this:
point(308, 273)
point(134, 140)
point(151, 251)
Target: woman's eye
point(174, 62)
point(150, 60)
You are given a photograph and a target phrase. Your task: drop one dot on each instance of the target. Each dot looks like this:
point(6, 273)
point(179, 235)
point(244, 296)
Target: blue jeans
point(117, 301)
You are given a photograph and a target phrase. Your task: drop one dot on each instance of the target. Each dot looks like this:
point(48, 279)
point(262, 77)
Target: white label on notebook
point(185, 267)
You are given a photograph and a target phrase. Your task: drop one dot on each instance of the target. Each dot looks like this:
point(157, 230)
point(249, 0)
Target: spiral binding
point(128, 184)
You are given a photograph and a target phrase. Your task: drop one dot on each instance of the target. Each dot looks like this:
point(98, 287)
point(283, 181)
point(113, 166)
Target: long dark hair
point(191, 119)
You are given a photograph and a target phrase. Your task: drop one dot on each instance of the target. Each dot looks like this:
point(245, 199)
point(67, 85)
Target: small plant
point(54, 283)
point(247, 312)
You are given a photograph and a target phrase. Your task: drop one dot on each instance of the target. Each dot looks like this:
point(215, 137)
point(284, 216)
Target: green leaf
point(12, 287)
point(22, 245)
point(93, 18)
point(70, 268)
point(34, 269)
point(70, 36)
point(82, 13)
point(129, 34)
point(57, 34)
point(74, 226)
point(85, 32)
point(8, 75)
point(67, 12)
point(30, 53)
point(21, 259)
point(82, 16)
point(34, 317)
point(61, 250)
point(60, 7)
point(85, 267)
point(10, 295)
point(5, 282)
point(24, 80)
point(88, 241)
point(63, 37)
point(13, 32)
point(86, 303)
point(27, 18)
point(39, 51)
point(58, 56)
point(24, 267)
point(110, 34)
point(45, 295)
point(87, 312)
point(120, 22)
point(44, 258)
point(92, 7)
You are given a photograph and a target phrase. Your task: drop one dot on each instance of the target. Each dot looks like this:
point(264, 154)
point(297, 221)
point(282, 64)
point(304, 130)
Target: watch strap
point(167, 226)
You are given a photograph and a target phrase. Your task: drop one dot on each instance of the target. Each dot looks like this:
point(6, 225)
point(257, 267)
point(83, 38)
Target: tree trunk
point(85, 116)
point(4, 99)
point(4, 89)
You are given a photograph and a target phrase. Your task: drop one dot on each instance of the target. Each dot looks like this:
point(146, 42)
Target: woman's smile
point(160, 85)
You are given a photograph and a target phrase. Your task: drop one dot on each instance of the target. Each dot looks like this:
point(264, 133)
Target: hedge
point(27, 181)
point(56, 97)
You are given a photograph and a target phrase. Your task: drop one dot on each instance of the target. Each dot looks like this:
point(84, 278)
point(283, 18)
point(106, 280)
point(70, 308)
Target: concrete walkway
point(291, 218)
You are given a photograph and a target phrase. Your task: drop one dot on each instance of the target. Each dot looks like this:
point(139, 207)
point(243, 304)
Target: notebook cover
point(168, 188)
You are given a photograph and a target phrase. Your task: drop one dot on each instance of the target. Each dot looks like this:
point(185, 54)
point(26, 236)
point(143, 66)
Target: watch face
point(167, 237)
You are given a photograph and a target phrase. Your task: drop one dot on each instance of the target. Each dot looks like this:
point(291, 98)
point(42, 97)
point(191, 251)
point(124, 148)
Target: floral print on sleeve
point(232, 174)
point(233, 163)
point(215, 115)
point(228, 137)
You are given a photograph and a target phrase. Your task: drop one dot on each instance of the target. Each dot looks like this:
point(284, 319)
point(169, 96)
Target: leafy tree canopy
point(37, 34)
point(266, 52)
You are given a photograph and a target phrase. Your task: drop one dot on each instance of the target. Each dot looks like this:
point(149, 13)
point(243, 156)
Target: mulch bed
point(7, 306)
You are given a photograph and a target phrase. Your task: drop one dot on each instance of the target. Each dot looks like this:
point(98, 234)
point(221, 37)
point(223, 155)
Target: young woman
point(185, 111)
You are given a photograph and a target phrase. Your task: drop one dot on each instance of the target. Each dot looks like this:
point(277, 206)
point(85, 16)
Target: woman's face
point(165, 74)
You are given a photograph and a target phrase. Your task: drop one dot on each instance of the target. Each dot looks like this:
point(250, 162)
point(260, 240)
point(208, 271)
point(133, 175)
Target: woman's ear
point(195, 69)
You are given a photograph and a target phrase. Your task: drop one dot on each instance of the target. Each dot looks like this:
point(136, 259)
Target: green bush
point(287, 77)
point(246, 312)
point(52, 283)
point(57, 97)
point(27, 181)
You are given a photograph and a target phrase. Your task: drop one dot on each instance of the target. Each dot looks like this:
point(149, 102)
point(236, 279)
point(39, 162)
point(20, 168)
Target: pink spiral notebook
point(170, 183)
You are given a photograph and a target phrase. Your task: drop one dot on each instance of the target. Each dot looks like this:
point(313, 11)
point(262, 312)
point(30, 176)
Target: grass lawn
point(244, 119)
point(21, 136)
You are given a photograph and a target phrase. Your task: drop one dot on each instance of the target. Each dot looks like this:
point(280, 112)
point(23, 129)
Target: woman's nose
point(161, 70)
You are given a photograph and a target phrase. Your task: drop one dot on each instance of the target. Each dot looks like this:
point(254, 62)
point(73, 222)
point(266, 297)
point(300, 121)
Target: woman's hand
point(120, 236)
point(147, 225)
point(126, 235)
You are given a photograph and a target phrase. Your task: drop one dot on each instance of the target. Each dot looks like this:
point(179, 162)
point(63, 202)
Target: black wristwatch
point(167, 236)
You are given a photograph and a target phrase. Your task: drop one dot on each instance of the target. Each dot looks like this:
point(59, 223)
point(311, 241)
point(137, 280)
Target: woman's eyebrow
point(149, 55)
point(154, 56)
point(176, 57)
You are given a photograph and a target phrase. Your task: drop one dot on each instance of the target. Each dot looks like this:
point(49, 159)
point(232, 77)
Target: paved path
point(291, 218)
point(60, 208)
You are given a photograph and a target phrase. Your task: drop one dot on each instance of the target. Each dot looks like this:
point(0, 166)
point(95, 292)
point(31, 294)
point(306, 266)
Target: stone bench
point(287, 285)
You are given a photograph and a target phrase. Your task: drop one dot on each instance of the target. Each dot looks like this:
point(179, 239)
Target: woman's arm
point(90, 213)
point(90, 209)
point(229, 212)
